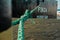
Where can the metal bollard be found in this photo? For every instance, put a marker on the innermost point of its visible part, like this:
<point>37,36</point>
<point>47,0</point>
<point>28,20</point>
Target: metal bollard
<point>5,15</point>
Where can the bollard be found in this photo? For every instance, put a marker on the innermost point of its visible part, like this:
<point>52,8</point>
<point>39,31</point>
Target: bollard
<point>5,15</point>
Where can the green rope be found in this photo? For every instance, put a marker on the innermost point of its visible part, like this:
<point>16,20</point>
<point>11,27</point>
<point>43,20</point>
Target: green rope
<point>34,9</point>
<point>21,23</point>
<point>21,26</point>
<point>26,13</point>
<point>15,22</point>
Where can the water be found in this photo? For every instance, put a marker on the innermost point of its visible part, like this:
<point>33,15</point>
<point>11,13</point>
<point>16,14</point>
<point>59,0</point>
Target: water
<point>41,16</point>
<point>46,17</point>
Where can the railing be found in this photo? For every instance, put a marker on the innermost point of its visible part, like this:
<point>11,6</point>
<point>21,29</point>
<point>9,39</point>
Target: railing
<point>21,22</point>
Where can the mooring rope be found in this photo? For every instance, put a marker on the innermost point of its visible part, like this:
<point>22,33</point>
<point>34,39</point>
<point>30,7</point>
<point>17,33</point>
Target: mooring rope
<point>21,21</point>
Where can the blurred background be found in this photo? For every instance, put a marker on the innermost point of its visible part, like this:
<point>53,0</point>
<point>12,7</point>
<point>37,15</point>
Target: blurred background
<point>48,29</point>
<point>58,10</point>
<point>48,8</point>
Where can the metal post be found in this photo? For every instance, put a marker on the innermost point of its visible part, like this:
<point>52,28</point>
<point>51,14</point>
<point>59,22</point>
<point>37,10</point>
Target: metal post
<point>5,15</point>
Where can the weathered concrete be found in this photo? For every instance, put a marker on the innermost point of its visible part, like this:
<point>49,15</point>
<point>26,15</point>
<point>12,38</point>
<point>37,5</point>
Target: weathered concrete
<point>7,35</point>
<point>43,29</point>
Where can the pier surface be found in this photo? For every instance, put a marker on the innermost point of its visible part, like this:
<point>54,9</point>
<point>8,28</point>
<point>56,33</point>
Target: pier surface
<point>43,29</point>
